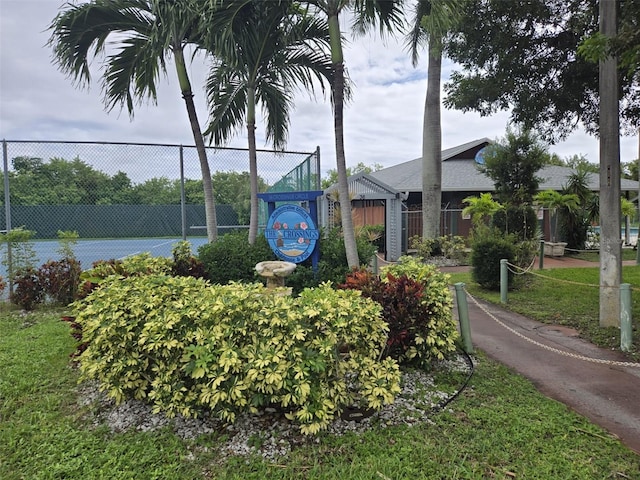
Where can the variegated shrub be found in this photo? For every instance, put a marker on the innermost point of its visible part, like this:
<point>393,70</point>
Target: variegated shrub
<point>185,345</point>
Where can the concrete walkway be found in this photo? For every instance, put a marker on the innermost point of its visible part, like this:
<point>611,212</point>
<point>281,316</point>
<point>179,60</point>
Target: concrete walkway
<point>561,365</point>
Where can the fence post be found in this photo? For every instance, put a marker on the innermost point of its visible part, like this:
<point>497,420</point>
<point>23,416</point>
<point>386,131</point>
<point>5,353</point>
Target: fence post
<point>183,199</point>
<point>625,317</point>
<point>504,280</point>
<point>541,256</point>
<point>7,212</point>
<point>463,317</point>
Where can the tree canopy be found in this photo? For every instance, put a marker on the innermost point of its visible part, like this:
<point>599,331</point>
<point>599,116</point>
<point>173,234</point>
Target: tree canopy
<point>522,55</point>
<point>34,181</point>
<point>512,164</point>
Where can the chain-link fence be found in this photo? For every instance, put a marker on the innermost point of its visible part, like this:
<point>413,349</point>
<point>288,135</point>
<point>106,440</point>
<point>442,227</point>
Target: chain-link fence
<point>118,190</point>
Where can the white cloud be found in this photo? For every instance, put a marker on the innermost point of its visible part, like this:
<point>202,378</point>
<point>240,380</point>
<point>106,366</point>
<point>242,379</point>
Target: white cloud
<point>383,123</point>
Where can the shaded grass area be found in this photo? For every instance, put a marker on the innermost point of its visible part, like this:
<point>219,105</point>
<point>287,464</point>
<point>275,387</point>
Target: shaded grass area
<point>566,296</point>
<point>500,427</point>
<point>594,255</point>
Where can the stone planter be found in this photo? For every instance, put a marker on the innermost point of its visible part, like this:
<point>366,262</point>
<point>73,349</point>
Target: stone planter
<point>554,249</point>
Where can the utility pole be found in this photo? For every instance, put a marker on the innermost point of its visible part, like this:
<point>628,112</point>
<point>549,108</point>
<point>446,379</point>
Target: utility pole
<point>638,172</point>
<point>610,242</point>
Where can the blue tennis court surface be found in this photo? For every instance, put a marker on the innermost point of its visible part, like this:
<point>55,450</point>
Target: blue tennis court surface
<point>89,251</point>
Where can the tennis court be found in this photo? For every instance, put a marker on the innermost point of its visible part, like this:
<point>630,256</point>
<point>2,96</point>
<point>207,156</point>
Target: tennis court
<point>90,250</point>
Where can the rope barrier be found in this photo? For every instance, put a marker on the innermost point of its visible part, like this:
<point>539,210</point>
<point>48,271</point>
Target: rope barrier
<point>560,280</point>
<point>523,270</point>
<point>547,347</point>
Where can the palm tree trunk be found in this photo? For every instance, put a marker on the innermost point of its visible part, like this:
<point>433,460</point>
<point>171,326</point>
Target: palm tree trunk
<point>432,146</point>
<point>253,164</point>
<point>610,248</point>
<point>207,185</point>
<point>338,126</point>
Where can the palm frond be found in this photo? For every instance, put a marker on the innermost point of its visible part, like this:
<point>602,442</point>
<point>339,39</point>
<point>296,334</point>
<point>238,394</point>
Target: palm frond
<point>276,103</point>
<point>132,73</point>
<point>386,15</point>
<point>417,37</point>
<point>227,98</point>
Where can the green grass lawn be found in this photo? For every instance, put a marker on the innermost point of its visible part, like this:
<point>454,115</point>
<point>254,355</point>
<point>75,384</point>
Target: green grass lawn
<point>500,427</point>
<point>594,255</point>
<point>566,296</point>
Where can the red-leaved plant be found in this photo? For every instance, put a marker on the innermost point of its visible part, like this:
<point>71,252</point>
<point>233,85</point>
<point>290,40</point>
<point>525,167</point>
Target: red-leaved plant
<point>402,306</point>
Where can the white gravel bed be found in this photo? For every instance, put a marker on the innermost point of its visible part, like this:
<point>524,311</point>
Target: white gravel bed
<point>269,433</point>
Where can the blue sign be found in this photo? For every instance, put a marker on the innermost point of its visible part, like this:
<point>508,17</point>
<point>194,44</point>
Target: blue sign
<point>479,158</point>
<point>291,233</point>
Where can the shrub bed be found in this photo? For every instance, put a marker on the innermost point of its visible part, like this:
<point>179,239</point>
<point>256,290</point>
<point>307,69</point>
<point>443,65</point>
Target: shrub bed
<point>185,346</point>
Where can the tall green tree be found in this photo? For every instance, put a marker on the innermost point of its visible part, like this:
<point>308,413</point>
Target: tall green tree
<point>234,188</point>
<point>513,164</point>
<point>63,182</point>
<point>144,33</point>
<point>432,21</point>
<point>158,191</point>
<point>385,15</point>
<point>264,51</point>
<point>521,56</point>
<point>332,173</point>
<point>624,44</point>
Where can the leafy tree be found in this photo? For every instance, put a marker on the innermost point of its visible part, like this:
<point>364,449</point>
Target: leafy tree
<point>580,163</point>
<point>63,182</point>
<point>193,191</point>
<point>625,44</point>
<point>158,191</point>
<point>332,173</point>
<point>512,165</point>
<point>264,50</point>
<point>521,55</point>
<point>233,188</point>
<point>431,23</point>
<point>145,32</point>
<point>122,189</point>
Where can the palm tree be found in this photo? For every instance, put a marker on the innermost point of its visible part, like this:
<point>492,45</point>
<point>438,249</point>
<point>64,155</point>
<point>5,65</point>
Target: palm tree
<point>432,20</point>
<point>368,13</point>
<point>145,33</point>
<point>554,200</point>
<point>263,52</point>
<point>609,131</point>
<point>481,208</point>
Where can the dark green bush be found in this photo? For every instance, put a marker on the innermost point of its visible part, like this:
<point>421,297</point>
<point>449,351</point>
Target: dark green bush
<point>487,251</point>
<point>231,258</point>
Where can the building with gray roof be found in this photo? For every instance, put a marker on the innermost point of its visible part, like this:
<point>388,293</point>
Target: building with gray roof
<point>461,178</point>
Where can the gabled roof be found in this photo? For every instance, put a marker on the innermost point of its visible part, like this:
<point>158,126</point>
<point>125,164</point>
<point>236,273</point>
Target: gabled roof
<point>367,185</point>
<point>460,173</point>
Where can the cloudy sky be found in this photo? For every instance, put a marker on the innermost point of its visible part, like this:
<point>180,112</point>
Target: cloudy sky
<point>383,123</point>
